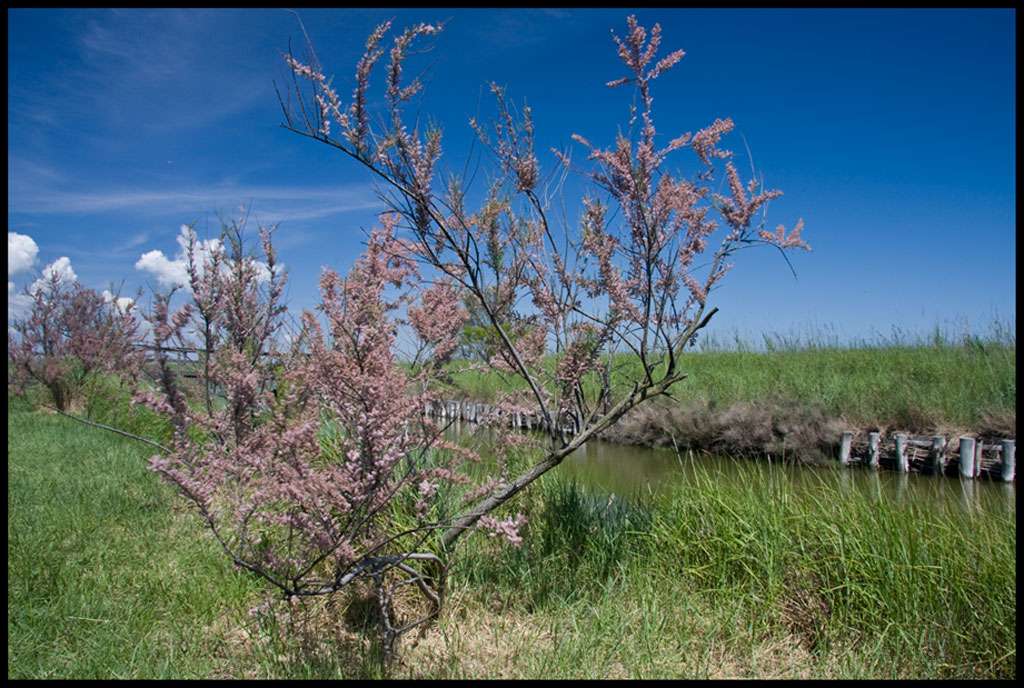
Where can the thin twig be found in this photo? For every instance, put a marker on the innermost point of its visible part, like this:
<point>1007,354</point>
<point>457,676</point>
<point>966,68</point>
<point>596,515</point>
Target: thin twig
<point>107,427</point>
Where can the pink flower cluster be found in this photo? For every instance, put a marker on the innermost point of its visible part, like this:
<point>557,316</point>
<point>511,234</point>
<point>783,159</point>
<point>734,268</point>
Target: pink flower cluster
<point>296,456</point>
<point>634,272</point>
<point>508,528</point>
<point>70,334</point>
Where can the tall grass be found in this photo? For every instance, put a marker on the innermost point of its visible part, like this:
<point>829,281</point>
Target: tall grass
<point>751,578</point>
<point>106,577</point>
<point>109,576</point>
<point>945,380</point>
<point>905,588</point>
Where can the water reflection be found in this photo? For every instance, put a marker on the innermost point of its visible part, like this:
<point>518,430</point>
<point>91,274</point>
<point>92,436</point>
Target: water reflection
<point>607,468</point>
<point>907,490</point>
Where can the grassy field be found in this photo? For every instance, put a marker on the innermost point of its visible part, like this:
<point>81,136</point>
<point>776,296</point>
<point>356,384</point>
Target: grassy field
<point>110,576</point>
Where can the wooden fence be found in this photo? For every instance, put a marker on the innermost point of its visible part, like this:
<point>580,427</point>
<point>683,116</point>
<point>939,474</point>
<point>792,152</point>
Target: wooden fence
<point>183,357</point>
<point>472,412</point>
<point>966,457</point>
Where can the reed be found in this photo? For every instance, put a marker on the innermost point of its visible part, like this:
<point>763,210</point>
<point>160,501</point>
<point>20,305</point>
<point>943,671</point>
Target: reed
<point>750,578</point>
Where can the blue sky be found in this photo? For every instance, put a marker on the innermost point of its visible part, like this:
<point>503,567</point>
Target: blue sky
<point>892,134</point>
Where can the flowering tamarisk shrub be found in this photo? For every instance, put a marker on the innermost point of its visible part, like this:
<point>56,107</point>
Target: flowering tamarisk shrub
<point>310,463</point>
<point>69,335</point>
<point>628,280</point>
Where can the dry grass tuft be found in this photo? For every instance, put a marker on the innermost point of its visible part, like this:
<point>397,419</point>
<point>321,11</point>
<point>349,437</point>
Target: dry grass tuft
<point>806,611</point>
<point>999,424</point>
<point>471,641</point>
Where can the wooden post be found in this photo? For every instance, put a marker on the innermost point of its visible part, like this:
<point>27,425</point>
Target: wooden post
<point>873,438</point>
<point>844,448</point>
<point>1009,447</point>
<point>937,453</point>
<point>977,458</point>
<point>967,457</point>
<point>901,454</point>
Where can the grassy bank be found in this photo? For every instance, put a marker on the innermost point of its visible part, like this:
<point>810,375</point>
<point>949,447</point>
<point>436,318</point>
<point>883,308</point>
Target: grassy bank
<point>801,393</point>
<point>109,576</point>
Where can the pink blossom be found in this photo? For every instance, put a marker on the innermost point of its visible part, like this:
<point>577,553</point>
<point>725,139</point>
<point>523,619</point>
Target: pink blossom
<point>508,528</point>
<point>69,326</point>
<point>329,456</point>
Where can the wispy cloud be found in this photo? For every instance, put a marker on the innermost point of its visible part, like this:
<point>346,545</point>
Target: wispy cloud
<point>119,81</point>
<point>271,202</point>
<point>139,65</point>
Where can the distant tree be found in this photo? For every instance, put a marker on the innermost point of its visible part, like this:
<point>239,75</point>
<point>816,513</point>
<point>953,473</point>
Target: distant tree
<point>69,335</point>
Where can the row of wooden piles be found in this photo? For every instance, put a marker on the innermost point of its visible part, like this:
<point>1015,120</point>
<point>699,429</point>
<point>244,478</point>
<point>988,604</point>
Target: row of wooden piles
<point>966,457</point>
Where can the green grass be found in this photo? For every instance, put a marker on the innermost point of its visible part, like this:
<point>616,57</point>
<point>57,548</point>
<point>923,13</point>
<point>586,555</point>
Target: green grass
<point>109,575</point>
<point>891,386</point>
<point>961,383</point>
<point>749,578</point>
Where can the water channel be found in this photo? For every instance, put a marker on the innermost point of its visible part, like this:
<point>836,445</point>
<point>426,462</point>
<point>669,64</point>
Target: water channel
<point>632,472</point>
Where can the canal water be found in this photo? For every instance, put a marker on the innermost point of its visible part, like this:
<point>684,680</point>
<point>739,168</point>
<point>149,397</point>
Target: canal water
<point>632,472</point>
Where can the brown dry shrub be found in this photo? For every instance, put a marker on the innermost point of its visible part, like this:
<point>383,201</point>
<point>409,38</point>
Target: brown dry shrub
<point>1000,423</point>
<point>917,420</point>
<point>774,426</point>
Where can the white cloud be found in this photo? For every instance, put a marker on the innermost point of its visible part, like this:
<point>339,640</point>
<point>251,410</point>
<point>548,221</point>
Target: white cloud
<point>59,270</point>
<point>167,272</point>
<point>123,302</point>
<point>170,273</point>
<point>17,304</point>
<point>21,253</point>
